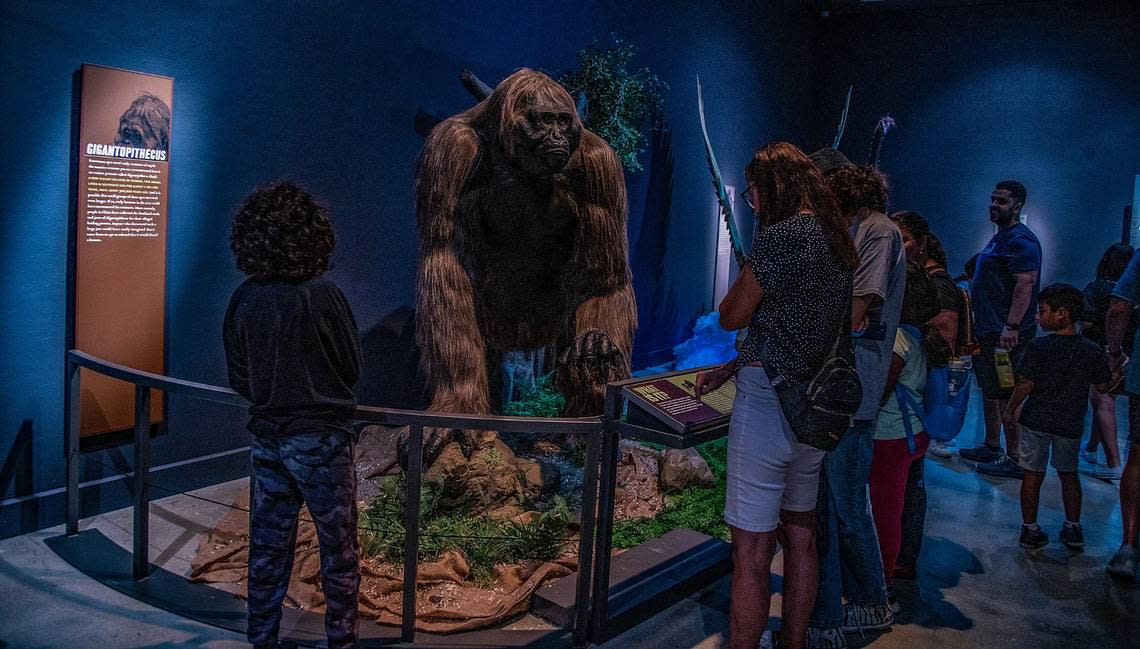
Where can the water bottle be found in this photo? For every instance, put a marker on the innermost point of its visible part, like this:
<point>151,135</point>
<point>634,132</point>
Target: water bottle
<point>958,376</point>
<point>1004,368</point>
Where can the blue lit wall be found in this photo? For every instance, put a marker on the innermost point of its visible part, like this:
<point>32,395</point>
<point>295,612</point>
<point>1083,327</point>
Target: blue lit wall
<point>325,93</point>
<point>1047,93</point>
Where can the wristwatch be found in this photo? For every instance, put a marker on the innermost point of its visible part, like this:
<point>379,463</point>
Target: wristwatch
<point>1012,326</point>
<point>1114,354</point>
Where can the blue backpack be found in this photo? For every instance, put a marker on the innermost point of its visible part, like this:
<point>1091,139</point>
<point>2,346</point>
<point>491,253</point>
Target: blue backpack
<point>941,414</point>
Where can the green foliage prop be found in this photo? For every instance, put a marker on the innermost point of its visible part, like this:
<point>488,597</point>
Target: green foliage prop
<point>618,101</point>
<point>483,540</point>
<point>541,400</point>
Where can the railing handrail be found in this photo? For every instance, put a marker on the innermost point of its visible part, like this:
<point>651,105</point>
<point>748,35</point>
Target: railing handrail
<point>370,414</point>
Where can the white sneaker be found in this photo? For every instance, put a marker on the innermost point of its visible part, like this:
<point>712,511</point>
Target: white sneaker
<point>1089,456</point>
<point>1107,473</point>
<point>939,449</point>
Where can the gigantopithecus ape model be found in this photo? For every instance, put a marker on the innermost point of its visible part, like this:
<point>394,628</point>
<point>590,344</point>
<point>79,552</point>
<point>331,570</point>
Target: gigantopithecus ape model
<point>522,244</point>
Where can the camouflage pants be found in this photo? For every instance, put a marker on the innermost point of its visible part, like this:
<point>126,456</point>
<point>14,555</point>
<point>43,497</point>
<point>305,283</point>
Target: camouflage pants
<point>315,468</point>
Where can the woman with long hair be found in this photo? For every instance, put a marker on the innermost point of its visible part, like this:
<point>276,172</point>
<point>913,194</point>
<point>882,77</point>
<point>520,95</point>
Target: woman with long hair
<point>793,294</point>
<point>1098,295</point>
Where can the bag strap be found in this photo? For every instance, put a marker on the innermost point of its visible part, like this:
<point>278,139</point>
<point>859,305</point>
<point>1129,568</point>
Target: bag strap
<point>906,403</point>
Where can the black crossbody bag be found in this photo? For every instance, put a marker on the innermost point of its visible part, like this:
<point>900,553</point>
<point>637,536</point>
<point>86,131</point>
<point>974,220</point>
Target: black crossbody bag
<point>819,410</point>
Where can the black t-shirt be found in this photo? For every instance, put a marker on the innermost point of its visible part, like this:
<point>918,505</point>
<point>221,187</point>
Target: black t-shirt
<point>806,296</point>
<point>1062,369</point>
<point>293,350</point>
<point>1098,296</point>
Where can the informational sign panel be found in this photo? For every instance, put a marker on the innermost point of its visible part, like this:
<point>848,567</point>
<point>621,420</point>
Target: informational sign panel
<point>672,400</point>
<point>120,236</point>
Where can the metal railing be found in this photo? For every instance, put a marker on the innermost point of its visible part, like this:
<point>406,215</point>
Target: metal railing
<point>601,445</point>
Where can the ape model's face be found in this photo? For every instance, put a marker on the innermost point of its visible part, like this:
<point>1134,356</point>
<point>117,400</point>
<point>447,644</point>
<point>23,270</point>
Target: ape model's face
<point>547,138</point>
<point>133,133</point>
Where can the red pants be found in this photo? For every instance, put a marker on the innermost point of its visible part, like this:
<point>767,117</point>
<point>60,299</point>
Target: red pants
<point>890,464</point>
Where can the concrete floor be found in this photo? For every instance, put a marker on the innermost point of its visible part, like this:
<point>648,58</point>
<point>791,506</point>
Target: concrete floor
<point>976,588</point>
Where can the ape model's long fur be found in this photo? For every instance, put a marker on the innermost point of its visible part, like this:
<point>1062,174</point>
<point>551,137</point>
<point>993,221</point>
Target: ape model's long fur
<point>510,260</point>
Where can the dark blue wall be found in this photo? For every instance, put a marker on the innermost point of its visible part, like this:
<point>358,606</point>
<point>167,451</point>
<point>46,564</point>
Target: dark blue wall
<point>1047,93</point>
<point>325,93</point>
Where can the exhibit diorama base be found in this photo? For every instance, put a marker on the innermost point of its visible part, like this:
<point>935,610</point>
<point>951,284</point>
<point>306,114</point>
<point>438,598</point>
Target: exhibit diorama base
<point>644,580</point>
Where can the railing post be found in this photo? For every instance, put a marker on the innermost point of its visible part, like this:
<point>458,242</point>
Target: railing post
<point>141,555</point>
<point>412,531</point>
<point>586,543</point>
<point>71,446</point>
<point>607,485</point>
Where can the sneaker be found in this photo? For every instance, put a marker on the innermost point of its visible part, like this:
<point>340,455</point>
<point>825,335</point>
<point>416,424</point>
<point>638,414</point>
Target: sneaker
<point>980,453</point>
<point>896,608</point>
<point>858,618</point>
<point>1089,456</point>
<point>1004,467</point>
<point>1073,536</point>
<point>1107,473</point>
<point>1033,539</point>
<point>825,639</point>
<point>939,449</point>
<point>1123,563</point>
<point>766,640</point>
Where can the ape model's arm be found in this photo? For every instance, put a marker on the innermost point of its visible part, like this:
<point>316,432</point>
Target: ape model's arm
<point>452,348</point>
<point>598,280</point>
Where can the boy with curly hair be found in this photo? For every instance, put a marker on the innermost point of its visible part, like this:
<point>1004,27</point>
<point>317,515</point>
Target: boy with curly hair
<point>293,350</point>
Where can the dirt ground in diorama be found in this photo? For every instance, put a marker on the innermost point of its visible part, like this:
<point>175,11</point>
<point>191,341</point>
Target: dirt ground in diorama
<point>479,564</point>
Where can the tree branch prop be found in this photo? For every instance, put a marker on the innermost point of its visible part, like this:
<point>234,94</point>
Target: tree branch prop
<point>718,183</point>
<point>475,86</point>
<point>843,118</point>
<point>886,123</point>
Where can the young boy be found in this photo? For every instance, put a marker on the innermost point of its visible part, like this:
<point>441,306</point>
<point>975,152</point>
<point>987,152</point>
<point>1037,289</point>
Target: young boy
<point>1056,372</point>
<point>293,350</point>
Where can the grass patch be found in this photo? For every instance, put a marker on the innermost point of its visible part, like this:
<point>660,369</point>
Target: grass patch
<point>483,540</point>
<point>697,508</point>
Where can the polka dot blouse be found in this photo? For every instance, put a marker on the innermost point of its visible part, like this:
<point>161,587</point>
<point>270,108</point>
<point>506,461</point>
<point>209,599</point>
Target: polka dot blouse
<point>806,295</point>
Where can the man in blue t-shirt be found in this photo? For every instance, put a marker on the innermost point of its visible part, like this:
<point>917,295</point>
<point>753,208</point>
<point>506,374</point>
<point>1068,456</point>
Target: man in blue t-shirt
<point>1004,297</point>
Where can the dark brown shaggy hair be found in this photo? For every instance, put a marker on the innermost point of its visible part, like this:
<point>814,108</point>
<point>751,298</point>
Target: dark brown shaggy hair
<point>788,183</point>
<point>858,187</point>
<point>282,233</point>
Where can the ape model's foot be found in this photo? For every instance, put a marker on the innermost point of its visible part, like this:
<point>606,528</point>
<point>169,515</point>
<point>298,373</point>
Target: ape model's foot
<point>435,439</point>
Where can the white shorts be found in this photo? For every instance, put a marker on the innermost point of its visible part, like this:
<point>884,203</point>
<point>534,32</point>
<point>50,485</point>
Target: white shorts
<point>768,470</point>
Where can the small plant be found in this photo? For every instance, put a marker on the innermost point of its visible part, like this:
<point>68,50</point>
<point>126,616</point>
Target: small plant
<point>617,101</point>
<point>541,400</point>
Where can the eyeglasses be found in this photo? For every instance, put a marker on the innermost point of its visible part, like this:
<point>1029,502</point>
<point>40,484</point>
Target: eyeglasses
<point>747,194</point>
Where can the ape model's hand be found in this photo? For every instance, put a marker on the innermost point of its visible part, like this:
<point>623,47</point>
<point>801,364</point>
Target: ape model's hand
<point>592,358</point>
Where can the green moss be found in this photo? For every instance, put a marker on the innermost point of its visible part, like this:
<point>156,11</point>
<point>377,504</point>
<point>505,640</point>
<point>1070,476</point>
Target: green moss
<point>697,508</point>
